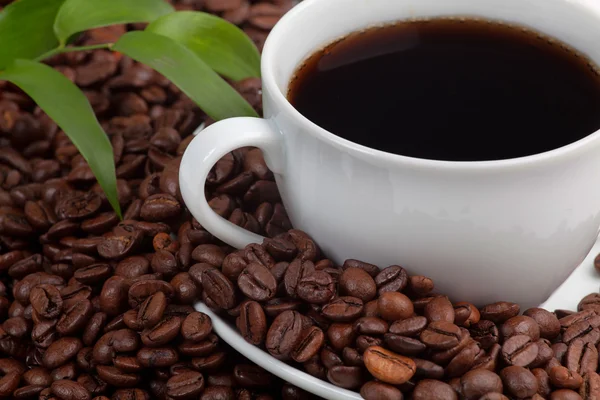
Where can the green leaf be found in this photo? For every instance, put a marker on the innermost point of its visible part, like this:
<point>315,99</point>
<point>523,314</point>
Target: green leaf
<point>70,109</point>
<point>26,29</point>
<point>80,15</point>
<point>220,44</point>
<point>192,75</point>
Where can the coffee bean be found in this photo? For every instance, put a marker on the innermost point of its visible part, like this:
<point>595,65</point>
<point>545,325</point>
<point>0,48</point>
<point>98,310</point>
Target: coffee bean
<point>251,376</point>
<point>310,343</point>
<point>519,381</point>
<point>391,279</point>
<point>439,309</point>
<point>427,369</point>
<point>209,253</point>
<point>441,335</point>
<point>199,349</point>
<point>465,314</point>
<point>581,357</point>
<point>394,306</point>
<point>284,334</point>
<point>75,317</point>
<point>294,273</point>
<point>218,288</point>
<point>519,350</point>
<point>346,377</point>
<point>316,288</point>
<point>151,310</point>
<point>252,322</point>
<point>157,357</point>
<point>590,388</point>
<point>409,327</point>
<point>46,300</point>
<point>118,247</point>
<point>547,322</point>
<point>61,351</point>
<point>404,345</point>
<point>186,385</point>
<point>433,390</point>
<point>500,311</point>
<point>162,333</point>
<point>257,282</point>
<point>478,382</point>
<point>374,390</point>
<point>564,394</point>
<point>114,376</point>
<point>485,332</point>
<point>563,378</point>
<point>520,325</point>
<point>69,390</point>
<point>388,366</point>
<point>143,289</point>
<point>356,282</point>
<point>341,335</point>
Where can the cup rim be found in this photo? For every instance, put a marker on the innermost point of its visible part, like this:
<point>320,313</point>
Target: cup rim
<point>269,59</point>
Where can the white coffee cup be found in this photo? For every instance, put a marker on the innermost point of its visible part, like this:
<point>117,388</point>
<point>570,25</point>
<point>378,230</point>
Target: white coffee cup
<point>483,231</point>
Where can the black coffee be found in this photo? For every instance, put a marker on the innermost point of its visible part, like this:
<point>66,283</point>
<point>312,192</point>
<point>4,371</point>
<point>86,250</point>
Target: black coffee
<point>444,89</point>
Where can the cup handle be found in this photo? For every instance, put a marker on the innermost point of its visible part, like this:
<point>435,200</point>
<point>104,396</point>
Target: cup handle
<point>203,153</point>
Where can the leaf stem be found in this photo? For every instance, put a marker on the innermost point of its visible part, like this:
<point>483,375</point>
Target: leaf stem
<point>60,50</point>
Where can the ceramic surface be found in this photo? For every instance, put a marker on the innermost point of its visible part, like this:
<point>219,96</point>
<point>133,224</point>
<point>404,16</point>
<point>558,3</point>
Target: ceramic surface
<point>511,229</point>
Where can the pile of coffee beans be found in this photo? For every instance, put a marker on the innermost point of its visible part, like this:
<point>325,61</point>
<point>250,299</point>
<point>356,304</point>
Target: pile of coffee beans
<point>92,307</point>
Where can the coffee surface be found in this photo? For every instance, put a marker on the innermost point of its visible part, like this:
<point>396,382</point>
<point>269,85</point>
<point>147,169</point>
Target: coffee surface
<point>450,89</point>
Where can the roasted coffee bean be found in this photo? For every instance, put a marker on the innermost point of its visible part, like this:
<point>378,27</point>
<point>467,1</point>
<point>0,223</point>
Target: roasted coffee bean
<point>364,342</point>
<point>157,357</point>
<point>93,274</point>
<point>316,288</point>
<point>439,309</point>
<point>75,317</point>
<point>387,366</point>
<point>486,333</point>
<point>564,394</point>
<point>346,377</point>
<point>218,288</point>
<point>427,369</point>
<point>143,289</point>
<point>519,350</point>
<point>431,389</point>
<point>186,385</point>
<point>465,314</point>
<point>561,377</point>
<point>404,345</point>
<point>311,341</point>
<point>374,390</point>
<point>441,335</point>
<point>294,273</point>
<point>341,335</point>
<point>209,254</point>
<point>114,376</point>
<point>61,351</point>
<point>391,279</point>
<point>162,333</point>
<point>590,388</point>
<point>46,301</point>
<point>394,306</point>
<point>356,282</point>
<point>342,309</point>
<point>547,322</point>
<point>499,312</point>
<point>69,390</point>
<point>252,322</point>
<point>93,328</point>
<point>370,326</point>
<point>520,325</point>
<point>412,326</point>
<point>118,247</point>
<point>251,376</point>
<point>284,334</point>
<point>581,357</point>
<point>151,310</point>
<point>196,327</point>
<point>478,382</point>
<point>164,263</point>
<point>519,382</point>
<point>257,282</point>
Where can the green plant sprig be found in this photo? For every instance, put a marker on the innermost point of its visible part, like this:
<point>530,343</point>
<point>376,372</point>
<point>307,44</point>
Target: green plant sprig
<point>194,50</point>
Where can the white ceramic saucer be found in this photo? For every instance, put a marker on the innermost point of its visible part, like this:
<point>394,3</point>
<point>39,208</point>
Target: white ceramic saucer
<point>583,281</point>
